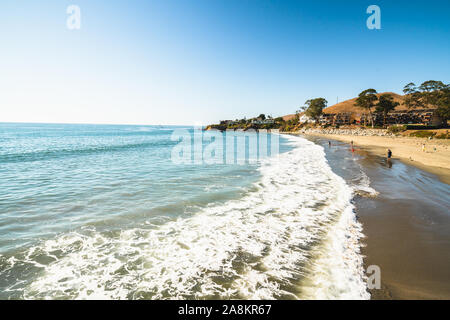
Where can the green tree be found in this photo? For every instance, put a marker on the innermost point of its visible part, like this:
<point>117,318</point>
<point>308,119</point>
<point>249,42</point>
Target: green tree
<point>432,93</point>
<point>413,97</point>
<point>262,116</point>
<point>410,88</point>
<point>386,104</point>
<point>432,86</point>
<point>302,109</point>
<point>437,94</point>
<point>443,105</point>
<point>366,100</point>
<point>314,108</point>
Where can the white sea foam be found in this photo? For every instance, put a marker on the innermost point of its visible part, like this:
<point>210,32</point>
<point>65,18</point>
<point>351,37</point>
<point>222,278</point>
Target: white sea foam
<point>294,236</point>
<point>362,186</point>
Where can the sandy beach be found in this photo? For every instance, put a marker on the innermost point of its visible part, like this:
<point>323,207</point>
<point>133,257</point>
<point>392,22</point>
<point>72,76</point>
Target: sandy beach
<point>406,225</point>
<point>435,159</point>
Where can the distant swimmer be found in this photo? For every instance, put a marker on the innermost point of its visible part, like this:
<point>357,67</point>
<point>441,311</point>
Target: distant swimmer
<point>329,144</point>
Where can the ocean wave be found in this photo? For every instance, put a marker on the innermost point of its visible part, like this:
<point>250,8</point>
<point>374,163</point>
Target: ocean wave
<point>361,185</point>
<point>293,236</point>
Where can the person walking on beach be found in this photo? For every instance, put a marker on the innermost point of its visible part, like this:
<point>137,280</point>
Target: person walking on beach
<point>389,154</point>
<point>423,147</point>
<point>351,143</point>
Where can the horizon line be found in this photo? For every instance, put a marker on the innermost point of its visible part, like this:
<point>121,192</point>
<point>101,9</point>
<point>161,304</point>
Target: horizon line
<point>95,124</point>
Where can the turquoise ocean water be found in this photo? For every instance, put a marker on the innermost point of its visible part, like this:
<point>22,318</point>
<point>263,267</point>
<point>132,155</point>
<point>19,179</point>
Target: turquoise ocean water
<point>101,211</point>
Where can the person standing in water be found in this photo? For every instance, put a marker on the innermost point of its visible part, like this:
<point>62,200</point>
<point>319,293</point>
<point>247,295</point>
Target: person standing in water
<point>351,143</point>
<point>329,144</point>
<point>389,156</point>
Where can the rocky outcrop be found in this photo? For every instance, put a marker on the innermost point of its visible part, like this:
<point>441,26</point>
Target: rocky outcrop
<point>352,132</point>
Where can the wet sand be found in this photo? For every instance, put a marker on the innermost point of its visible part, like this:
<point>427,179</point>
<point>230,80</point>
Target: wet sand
<point>435,159</point>
<point>407,226</point>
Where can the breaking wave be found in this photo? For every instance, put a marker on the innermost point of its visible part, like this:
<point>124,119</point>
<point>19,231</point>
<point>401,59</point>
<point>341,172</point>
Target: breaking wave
<point>294,235</point>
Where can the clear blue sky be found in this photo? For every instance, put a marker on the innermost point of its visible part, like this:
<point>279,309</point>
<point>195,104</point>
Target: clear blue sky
<point>191,61</point>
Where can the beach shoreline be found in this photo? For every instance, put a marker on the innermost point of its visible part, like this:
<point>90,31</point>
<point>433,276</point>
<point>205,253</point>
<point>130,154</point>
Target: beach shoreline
<point>405,226</point>
<point>435,159</point>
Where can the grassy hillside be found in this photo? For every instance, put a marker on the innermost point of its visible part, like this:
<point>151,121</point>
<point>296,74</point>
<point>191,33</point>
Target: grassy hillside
<point>349,105</point>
